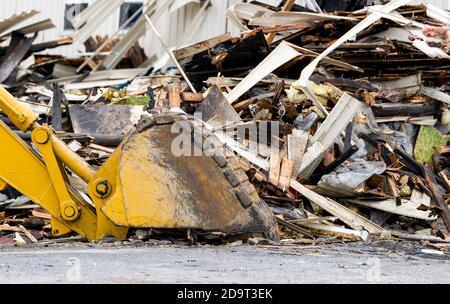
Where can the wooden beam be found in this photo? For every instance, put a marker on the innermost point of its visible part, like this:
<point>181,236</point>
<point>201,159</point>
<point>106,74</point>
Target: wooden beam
<point>342,114</point>
<point>192,97</point>
<point>274,173</point>
<point>297,143</point>
<point>438,197</point>
<point>174,95</point>
<point>287,167</point>
<point>294,227</point>
<point>349,217</point>
<point>288,5</point>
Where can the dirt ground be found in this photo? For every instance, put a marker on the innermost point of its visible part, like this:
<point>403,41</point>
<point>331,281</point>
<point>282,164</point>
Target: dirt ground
<point>158,262</point>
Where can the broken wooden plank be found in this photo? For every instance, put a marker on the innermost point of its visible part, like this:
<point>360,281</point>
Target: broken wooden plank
<point>275,168</point>
<point>192,97</point>
<point>343,113</point>
<point>337,231</point>
<point>435,94</point>
<point>8,228</point>
<point>349,217</point>
<point>297,143</point>
<point>394,190</point>
<point>287,6</point>
<point>174,95</point>
<point>303,81</point>
<point>438,197</point>
<point>294,227</point>
<point>18,48</point>
<point>170,53</point>
<point>287,167</point>
<point>200,47</point>
<point>283,18</point>
<point>42,215</point>
<point>28,234</point>
<point>282,54</point>
<point>408,208</point>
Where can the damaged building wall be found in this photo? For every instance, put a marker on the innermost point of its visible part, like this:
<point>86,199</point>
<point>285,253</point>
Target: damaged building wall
<point>176,26</point>
<point>55,10</point>
<point>172,24</point>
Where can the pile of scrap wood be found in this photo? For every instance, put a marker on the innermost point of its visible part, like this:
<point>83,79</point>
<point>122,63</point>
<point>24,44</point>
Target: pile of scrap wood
<point>354,108</point>
<point>363,133</point>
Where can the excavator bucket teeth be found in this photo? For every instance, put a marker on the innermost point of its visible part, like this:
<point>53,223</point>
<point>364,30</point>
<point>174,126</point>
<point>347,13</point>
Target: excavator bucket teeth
<point>156,187</point>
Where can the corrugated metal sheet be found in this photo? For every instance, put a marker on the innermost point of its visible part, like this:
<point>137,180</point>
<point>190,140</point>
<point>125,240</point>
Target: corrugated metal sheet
<point>172,26</point>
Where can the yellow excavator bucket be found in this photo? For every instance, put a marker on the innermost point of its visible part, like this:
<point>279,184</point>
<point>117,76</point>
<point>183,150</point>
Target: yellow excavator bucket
<point>146,185</point>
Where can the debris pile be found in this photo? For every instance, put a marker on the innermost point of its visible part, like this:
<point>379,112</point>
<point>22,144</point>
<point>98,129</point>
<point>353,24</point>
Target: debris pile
<point>363,133</point>
<point>350,109</point>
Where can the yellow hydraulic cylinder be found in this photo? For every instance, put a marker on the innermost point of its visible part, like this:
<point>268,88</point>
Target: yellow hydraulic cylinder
<point>74,162</point>
<point>22,117</point>
<point>25,119</point>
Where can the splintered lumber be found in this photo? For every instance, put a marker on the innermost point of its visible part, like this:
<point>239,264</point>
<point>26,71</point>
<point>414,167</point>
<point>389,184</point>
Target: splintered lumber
<point>282,54</point>
<point>200,47</point>
<point>288,5</point>
<point>42,215</point>
<point>294,227</point>
<point>349,217</point>
<point>438,197</point>
<point>174,95</point>
<point>416,237</point>
<point>284,28</point>
<point>101,148</point>
<point>394,190</point>
<point>283,18</point>
<point>192,97</point>
<point>303,81</point>
<point>28,234</point>
<point>337,231</point>
<point>275,168</point>
<point>343,113</point>
<point>297,144</point>
<point>408,208</point>
<point>287,167</point>
<point>170,53</point>
<point>8,228</point>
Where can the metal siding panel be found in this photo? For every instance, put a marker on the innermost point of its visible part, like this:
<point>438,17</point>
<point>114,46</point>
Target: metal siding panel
<point>171,26</point>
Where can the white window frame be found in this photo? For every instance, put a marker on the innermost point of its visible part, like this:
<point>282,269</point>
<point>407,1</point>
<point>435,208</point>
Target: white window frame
<point>118,14</point>
<point>68,2</point>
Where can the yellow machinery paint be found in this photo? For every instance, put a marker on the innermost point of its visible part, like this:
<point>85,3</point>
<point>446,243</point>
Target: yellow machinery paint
<point>142,185</point>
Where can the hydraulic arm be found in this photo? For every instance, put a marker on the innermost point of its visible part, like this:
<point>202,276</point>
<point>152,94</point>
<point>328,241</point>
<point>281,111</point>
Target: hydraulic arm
<point>142,185</point>
<point>42,178</point>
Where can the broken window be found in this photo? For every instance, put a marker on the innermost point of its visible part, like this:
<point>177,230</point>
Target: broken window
<point>343,5</point>
<point>71,11</point>
<point>128,10</point>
